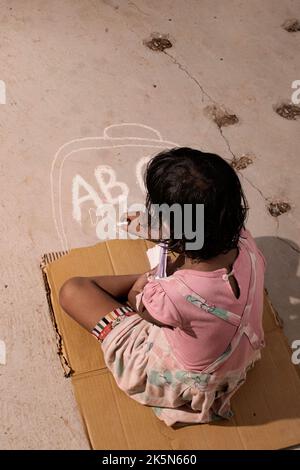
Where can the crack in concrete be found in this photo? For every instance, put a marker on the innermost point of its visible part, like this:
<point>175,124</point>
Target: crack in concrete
<point>283,240</point>
<point>254,187</point>
<point>138,8</point>
<point>204,93</point>
<point>212,100</point>
<point>227,143</point>
<point>191,77</point>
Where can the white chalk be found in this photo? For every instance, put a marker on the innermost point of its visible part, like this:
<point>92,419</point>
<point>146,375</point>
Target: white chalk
<point>2,353</point>
<point>122,223</point>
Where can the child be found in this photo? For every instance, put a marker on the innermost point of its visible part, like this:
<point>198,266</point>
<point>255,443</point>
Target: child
<point>183,344</point>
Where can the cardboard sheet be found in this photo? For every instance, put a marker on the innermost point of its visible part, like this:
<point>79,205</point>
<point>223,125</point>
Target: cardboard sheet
<point>267,407</point>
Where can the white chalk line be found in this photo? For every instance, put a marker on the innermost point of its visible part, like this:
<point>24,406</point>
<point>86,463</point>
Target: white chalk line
<point>132,124</point>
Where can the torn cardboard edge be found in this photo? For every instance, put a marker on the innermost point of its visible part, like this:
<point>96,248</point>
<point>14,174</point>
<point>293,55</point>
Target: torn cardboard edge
<point>267,407</point>
<point>46,259</point>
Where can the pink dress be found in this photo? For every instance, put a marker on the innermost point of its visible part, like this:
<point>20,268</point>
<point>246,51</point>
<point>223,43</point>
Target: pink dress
<point>189,370</point>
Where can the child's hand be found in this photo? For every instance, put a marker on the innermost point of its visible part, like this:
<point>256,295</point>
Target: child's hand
<point>136,289</point>
<point>132,217</point>
<point>137,224</point>
<point>151,273</point>
<point>140,283</point>
<point>134,226</point>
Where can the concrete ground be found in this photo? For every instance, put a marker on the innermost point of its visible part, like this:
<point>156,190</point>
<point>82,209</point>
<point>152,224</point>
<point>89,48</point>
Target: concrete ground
<point>75,67</point>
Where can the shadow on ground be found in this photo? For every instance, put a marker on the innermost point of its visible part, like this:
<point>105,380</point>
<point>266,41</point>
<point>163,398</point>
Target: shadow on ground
<point>283,281</point>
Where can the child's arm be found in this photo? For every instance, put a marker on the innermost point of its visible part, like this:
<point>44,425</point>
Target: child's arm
<point>136,289</point>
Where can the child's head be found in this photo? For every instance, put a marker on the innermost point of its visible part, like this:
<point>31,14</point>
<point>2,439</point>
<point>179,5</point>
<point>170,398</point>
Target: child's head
<point>187,176</point>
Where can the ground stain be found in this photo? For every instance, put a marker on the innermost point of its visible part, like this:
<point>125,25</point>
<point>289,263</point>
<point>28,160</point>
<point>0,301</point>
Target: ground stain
<point>288,111</point>
<point>277,208</point>
<point>292,25</point>
<point>158,42</point>
<point>240,163</point>
<point>220,116</point>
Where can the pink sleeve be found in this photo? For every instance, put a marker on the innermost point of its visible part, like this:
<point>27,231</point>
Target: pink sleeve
<point>158,304</point>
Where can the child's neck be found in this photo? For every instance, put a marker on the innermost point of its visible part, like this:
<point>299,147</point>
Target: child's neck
<point>221,261</point>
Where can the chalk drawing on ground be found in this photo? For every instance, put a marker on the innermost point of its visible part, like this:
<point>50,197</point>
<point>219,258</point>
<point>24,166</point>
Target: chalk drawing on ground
<point>102,183</point>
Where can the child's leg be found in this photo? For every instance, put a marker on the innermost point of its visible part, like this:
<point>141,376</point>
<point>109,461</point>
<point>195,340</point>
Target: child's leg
<point>88,299</point>
<point>116,285</point>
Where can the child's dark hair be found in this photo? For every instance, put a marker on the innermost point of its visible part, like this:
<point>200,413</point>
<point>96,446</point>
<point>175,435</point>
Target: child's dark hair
<point>188,176</point>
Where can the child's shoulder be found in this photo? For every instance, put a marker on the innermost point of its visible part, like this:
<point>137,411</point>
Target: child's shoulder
<point>245,234</point>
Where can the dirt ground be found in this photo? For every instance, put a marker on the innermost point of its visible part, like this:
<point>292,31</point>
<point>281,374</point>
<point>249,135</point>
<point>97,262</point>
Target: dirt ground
<point>93,88</point>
